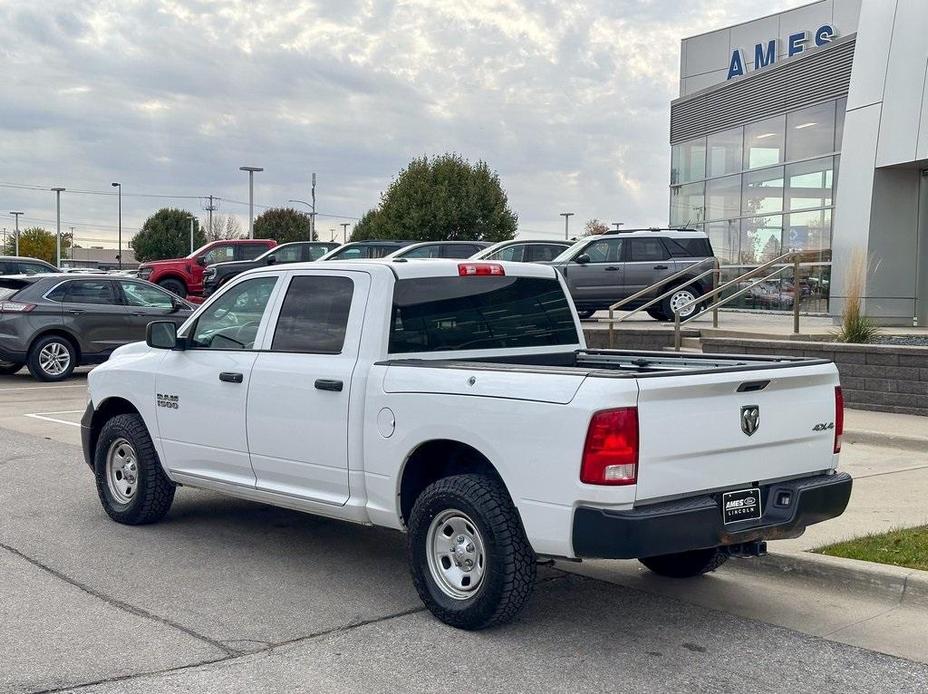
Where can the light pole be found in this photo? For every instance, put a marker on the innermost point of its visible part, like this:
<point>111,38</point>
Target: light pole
<point>345,226</point>
<point>118,187</point>
<point>251,197</point>
<point>566,216</point>
<point>192,249</point>
<point>16,236</point>
<point>618,225</point>
<point>312,216</point>
<point>58,192</point>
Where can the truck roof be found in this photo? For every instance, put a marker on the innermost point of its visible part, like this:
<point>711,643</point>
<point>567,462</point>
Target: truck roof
<point>406,268</point>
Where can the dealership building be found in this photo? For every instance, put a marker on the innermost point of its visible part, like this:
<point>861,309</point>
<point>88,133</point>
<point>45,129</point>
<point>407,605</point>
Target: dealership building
<point>808,130</point>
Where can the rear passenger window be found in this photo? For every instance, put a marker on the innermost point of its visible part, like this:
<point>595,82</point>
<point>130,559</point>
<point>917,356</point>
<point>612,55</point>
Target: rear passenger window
<point>89,292</point>
<point>540,253</point>
<point>314,315</point>
<point>458,251</point>
<point>646,250</point>
<point>688,248</point>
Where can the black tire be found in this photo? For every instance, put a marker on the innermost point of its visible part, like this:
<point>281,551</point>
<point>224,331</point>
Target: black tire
<point>658,314</point>
<point>8,368</point>
<point>686,564</point>
<point>41,369</point>
<point>585,313</point>
<point>690,293</point>
<point>174,286</point>
<point>509,562</point>
<point>154,492</point>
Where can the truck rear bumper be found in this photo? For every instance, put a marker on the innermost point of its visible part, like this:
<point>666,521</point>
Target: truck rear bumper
<point>696,522</point>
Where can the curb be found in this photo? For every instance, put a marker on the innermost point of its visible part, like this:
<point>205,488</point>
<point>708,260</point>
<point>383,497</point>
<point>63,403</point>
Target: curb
<point>879,438</point>
<point>906,586</point>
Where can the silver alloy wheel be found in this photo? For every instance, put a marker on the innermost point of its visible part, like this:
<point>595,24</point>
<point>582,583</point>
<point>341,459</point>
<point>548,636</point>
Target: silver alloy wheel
<point>55,358</point>
<point>681,298</point>
<point>456,555</point>
<point>122,470</point>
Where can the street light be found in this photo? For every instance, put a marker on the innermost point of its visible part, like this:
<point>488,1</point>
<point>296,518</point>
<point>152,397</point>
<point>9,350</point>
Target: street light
<point>118,187</point>
<point>618,225</point>
<point>16,237</point>
<point>345,226</point>
<point>251,197</point>
<point>312,216</point>
<point>58,192</point>
<point>566,216</point>
<point>192,219</point>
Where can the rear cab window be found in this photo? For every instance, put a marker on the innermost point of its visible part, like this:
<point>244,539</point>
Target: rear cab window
<point>471,313</point>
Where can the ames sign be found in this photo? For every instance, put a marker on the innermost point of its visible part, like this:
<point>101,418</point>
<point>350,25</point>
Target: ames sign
<point>766,53</point>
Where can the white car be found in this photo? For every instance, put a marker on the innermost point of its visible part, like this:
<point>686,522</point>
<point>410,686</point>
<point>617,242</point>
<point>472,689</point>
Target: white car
<point>456,401</point>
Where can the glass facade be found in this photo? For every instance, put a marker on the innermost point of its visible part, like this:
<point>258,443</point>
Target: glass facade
<point>761,190</point>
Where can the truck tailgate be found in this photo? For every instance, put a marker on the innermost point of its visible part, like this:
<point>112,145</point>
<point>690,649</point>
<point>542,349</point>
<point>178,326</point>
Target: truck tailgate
<point>692,438</point>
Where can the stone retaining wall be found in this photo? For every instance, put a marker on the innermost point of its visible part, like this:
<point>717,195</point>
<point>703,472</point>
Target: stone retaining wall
<point>886,378</point>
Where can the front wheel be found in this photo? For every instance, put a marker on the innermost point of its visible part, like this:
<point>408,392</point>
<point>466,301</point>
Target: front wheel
<point>686,564</point>
<point>130,482</point>
<point>174,286</point>
<point>471,562</point>
<point>8,368</point>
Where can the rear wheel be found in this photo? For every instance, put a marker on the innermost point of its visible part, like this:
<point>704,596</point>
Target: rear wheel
<point>174,286</point>
<point>584,314</point>
<point>471,562</point>
<point>52,358</point>
<point>686,564</point>
<point>8,368</point>
<point>680,298</point>
<point>657,314</point>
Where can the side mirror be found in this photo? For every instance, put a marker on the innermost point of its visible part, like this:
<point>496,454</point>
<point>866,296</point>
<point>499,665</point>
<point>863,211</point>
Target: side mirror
<point>201,261</point>
<point>161,334</point>
<point>582,259</point>
<point>271,259</point>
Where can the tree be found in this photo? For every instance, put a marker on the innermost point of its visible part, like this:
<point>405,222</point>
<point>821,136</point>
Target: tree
<point>441,198</point>
<point>166,234</point>
<point>283,224</point>
<point>222,227</point>
<point>36,242</point>
<point>594,227</point>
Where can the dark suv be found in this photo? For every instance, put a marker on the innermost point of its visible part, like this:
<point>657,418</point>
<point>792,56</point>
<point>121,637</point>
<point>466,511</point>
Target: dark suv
<point>17,265</point>
<point>296,252</point>
<point>364,250</point>
<point>602,270</point>
<point>53,323</point>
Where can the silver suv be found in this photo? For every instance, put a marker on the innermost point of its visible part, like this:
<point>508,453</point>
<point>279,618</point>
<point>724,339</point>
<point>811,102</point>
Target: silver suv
<point>604,269</point>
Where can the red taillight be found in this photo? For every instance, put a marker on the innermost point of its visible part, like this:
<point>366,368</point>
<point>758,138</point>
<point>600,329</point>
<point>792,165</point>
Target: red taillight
<point>15,307</point>
<point>478,269</point>
<point>610,455</point>
<point>839,418</point>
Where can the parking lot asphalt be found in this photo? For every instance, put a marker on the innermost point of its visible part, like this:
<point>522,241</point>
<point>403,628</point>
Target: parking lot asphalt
<point>227,596</point>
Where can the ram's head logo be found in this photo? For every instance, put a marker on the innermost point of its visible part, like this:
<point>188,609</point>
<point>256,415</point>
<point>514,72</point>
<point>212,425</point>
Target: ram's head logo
<point>750,419</point>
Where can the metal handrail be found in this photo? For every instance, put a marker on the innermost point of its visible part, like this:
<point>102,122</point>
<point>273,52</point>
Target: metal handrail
<point>637,295</point>
<point>794,256</point>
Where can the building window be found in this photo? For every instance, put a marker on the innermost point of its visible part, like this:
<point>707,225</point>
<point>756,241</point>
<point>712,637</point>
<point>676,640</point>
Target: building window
<point>761,239</point>
<point>808,231</point>
<point>810,132</point>
<point>725,240</point>
<point>763,191</point>
<point>763,142</point>
<point>723,197</point>
<point>723,152</point>
<point>810,184</point>
<point>688,161</point>
<point>687,204</point>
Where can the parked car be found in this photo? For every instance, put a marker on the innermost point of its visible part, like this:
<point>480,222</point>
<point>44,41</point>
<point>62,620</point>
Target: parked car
<point>524,251</point>
<point>456,400</point>
<point>365,250</point>
<point>601,270</point>
<point>184,276</point>
<point>53,323</point>
<point>18,265</point>
<point>440,249</point>
<point>298,251</point>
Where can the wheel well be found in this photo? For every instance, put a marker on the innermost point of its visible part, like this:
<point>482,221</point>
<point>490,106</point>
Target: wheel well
<point>108,409</point>
<point>432,461</point>
<point>59,333</point>
<point>176,278</point>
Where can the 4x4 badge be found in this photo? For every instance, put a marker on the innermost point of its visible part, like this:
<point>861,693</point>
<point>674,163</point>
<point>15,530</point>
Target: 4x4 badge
<point>750,419</point>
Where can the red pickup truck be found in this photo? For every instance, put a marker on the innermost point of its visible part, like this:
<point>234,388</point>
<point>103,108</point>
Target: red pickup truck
<point>184,276</point>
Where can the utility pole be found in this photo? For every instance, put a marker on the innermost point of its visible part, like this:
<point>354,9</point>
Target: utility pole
<point>72,243</point>
<point>58,192</point>
<point>251,197</point>
<point>312,217</point>
<point>16,236</point>
<point>118,187</point>
<point>192,249</point>
<point>209,212</point>
<point>618,225</point>
<point>345,226</point>
<point>566,216</point>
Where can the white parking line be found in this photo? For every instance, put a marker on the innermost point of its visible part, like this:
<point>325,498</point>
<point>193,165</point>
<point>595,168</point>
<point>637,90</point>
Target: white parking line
<point>44,416</point>
<point>7,390</point>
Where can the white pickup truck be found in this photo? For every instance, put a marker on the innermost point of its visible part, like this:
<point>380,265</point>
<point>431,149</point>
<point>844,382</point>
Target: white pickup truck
<point>457,401</point>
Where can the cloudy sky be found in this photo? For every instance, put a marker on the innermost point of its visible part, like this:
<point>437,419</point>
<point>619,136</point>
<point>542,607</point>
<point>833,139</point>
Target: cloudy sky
<point>568,101</point>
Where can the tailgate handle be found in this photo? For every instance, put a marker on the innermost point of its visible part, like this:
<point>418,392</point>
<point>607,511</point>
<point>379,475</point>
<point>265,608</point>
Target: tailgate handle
<point>752,386</point>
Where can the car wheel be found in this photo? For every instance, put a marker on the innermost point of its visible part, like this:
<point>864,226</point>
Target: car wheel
<point>584,314</point>
<point>174,286</point>
<point>471,562</point>
<point>657,314</point>
<point>130,481</point>
<point>52,358</point>
<point>679,298</point>
<point>686,564</point>
<point>8,368</point>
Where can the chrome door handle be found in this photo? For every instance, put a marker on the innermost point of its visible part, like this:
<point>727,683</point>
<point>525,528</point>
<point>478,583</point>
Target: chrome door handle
<point>231,377</point>
<point>75,312</point>
<point>611,269</point>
